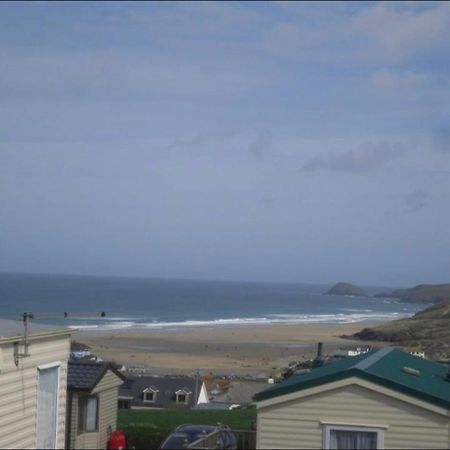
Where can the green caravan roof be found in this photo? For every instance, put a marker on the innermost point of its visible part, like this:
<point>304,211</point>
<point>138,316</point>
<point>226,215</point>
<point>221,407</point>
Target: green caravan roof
<point>388,367</point>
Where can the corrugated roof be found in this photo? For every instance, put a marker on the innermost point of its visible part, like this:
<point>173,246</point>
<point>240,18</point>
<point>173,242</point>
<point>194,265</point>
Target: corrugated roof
<point>385,367</point>
<point>15,328</point>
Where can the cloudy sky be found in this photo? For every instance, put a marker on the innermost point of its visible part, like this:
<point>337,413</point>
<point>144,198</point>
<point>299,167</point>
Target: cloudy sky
<point>279,141</point>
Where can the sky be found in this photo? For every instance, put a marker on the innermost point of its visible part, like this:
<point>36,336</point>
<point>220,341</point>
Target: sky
<point>275,141</point>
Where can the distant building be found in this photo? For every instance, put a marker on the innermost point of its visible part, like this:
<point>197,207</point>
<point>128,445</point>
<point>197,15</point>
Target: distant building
<point>162,392</point>
<point>33,385</point>
<point>381,399</point>
<point>416,352</point>
<point>78,354</point>
<point>218,406</point>
<point>344,352</point>
<point>240,392</point>
<point>91,404</point>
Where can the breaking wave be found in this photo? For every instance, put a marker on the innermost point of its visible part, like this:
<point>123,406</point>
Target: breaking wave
<point>340,318</point>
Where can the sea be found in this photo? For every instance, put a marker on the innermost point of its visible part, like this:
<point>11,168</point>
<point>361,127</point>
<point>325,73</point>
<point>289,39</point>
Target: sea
<point>97,304</point>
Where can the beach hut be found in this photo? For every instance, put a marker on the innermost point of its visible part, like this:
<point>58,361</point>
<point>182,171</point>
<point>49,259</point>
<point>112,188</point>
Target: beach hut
<point>33,373</point>
<point>92,404</point>
<point>381,399</point>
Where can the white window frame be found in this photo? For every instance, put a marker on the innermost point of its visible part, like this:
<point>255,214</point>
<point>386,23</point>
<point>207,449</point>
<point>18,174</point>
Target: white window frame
<point>177,398</point>
<point>148,391</point>
<point>358,428</point>
<point>54,364</point>
<point>85,400</point>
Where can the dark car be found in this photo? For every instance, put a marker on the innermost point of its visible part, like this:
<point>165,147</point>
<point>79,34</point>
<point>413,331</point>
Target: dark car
<point>184,435</point>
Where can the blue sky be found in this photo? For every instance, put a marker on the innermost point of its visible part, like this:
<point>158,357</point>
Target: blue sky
<point>279,141</point>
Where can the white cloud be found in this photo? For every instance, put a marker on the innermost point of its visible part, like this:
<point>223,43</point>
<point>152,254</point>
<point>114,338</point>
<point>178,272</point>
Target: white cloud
<point>389,79</point>
<point>200,140</point>
<point>368,156</point>
<point>118,74</point>
<point>417,200</point>
<point>401,31</point>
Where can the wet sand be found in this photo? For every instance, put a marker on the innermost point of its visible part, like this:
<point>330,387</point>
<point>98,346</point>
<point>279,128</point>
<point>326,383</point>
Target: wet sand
<point>232,350</point>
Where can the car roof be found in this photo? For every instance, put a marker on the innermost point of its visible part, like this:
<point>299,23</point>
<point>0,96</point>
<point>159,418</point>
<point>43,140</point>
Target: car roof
<point>196,427</point>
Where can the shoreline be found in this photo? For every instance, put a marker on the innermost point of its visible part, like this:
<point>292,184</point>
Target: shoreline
<point>232,349</point>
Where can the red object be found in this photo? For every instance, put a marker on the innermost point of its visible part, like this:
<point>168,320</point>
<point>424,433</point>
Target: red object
<point>117,441</point>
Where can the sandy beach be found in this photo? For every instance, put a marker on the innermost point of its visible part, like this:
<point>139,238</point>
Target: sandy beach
<point>238,350</point>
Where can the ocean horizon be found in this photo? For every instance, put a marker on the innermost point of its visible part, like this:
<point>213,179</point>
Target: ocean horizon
<point>135,303</point>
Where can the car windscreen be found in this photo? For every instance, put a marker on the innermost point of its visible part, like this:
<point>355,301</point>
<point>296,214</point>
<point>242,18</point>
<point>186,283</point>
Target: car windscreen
<point>176,441</point>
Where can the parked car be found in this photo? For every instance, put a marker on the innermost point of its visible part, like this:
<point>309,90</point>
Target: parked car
<point>184,435</point>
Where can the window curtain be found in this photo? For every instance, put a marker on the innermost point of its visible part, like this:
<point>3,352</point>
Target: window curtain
<point>47,408</point>
<point>91,414</point>
<point>352,440</point>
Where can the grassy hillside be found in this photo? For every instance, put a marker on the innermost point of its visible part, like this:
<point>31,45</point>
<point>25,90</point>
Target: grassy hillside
<point>432,293</point>
<point>428,329</point>
<point>147,429</point>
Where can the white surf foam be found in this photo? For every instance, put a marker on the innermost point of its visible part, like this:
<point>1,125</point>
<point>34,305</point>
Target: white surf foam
<point>340,318</point>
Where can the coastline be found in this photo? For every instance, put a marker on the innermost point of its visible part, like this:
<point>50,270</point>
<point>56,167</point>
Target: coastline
<point>240,350</point>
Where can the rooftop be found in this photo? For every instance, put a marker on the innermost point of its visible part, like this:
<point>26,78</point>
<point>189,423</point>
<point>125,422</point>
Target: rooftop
<point>84,376</point>
<point>388,367</point>
<point>15,328</point>
<point>167,386</point>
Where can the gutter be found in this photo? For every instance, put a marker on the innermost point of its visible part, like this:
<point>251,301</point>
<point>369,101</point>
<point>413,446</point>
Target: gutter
<point>37,336</point>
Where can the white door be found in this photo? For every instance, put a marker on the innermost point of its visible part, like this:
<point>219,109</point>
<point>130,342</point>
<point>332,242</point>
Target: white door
<point>47,407</point>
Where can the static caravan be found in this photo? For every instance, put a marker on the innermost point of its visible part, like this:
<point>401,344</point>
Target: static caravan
<point>33,375</point>
<point>92,404</point>
<point>381,399</point>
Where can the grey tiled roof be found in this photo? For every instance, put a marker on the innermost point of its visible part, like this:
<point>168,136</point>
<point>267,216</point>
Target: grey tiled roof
<point>84,376</point>
<point>133,387</point>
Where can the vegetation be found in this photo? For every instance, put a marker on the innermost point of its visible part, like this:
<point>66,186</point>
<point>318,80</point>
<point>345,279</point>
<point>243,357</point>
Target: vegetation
<point>428,329</point>
<point>346,289</point>
<point>148,428</point>
<point>432,293</point>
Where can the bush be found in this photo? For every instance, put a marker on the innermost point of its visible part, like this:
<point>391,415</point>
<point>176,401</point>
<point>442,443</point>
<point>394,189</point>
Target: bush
<point>147,429</point>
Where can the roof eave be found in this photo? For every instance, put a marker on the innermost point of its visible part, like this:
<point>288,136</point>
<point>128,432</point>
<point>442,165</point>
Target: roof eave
<point>406,390</point>
<point>37,336</point>
<point>356,373</point>
<point>78,389</point>
<point>102,374</point>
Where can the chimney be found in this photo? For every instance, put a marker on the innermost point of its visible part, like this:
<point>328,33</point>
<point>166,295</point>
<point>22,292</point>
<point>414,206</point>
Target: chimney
<point>319,350</point>
<point>318,361</point>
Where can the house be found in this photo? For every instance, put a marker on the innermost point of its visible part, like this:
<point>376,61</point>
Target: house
<point>418,353</point>
<point>415,352</point>
<point>344,352</point>
<point>381,399</point>
<point>239,392</point>
<point>162,392</point>
<point>33,374</point>
<point>92,392</point>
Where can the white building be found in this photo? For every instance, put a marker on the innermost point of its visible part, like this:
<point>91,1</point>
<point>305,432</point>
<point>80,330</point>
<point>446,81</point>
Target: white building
<point>351,351</point>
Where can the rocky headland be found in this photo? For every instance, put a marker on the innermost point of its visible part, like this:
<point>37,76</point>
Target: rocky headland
<point>423,293</point>
<point>346,289</point>
<point>428,330</point>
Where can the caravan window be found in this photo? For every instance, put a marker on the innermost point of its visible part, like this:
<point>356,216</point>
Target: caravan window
<point>87,414</point>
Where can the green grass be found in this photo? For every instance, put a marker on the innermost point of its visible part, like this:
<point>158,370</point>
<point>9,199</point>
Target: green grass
<point>147,429</point>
